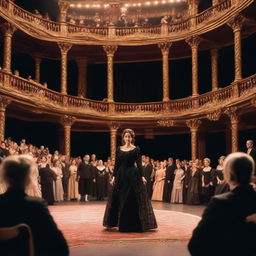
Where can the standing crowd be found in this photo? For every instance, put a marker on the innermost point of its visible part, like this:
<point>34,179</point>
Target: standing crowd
<point>57,179</point>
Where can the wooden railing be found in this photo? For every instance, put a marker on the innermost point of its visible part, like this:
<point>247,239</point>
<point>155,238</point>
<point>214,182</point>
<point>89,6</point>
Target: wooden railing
<point>212,11</point>
<point>45,98</point>
<point>56,29</point>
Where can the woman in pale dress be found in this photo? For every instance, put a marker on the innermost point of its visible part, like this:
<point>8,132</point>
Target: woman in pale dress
<point>72,183</point>
<point>34,188</point>
<point>158,186</point>
<point>177,189</point>
<point>57,185</point>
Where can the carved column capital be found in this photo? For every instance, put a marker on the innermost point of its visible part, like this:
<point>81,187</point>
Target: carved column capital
<point>114,126</point>
<point>64,47</point>
<point>4,102</point>
<point>193,41</point>
<point>63,6</point>
<point>233,114</point>
<point>215,115</point>
<point>9,29</point>
<point>110,50</point>
<point>67,120</point>
<point>236,23</point>
<point>165,47</point>
<point>193,124</point>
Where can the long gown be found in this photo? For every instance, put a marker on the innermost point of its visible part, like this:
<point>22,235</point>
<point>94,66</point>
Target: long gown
<point>128,205</point>
<point>158,187</point>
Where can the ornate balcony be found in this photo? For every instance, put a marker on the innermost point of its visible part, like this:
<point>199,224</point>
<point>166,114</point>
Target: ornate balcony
<point>35,26</point>
<point>34,94</point>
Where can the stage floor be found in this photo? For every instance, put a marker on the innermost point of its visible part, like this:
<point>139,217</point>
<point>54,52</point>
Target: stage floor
<point>82,227</point>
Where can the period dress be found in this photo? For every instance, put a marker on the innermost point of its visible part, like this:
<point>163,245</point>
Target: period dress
<point>72,183</point>
<point>177,196</point>
<point>128,205</point>
<point>158,187</point>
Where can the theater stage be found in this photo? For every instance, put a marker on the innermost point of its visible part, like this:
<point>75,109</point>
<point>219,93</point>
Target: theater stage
<point>82,227</point>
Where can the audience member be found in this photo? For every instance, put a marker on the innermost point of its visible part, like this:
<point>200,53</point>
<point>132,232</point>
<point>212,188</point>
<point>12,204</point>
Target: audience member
<point>225,228</point>
<point>17,207</point>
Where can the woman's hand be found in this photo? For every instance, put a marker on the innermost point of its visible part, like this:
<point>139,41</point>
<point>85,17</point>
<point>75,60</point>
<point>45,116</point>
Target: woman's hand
<point>144,180</point>
<point>112,182</point>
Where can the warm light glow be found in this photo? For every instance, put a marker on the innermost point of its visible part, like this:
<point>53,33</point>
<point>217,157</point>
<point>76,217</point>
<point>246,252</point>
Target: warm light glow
<point>139,4</point>
<point>106,5</point>
<point>156,2</point>
<point>72,5</point>
<point>87,6</point>
<point>79,5</point>
<point>163,1</point>
<point>148,3</point>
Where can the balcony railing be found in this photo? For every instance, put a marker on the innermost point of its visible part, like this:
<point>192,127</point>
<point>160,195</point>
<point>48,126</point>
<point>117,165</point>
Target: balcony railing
<point>15,86</point>
<point>47,28</point>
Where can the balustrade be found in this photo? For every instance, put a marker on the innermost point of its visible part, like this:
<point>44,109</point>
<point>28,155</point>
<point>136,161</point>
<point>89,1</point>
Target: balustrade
<point>38,93</point>
<point>50,26</point>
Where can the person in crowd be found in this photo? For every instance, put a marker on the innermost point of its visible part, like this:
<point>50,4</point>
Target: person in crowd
<point>168,182</point>
<point>158,186</point>
<point>3,151</point>
<point>66,175</point>
<point>177,190</point>
<point>207,189</point>
<point>221,185</point>
<point>251,151</point>
<point>17,207</point>
<point>72,183</point>
<point>128,205</point>
<point>34,188</point>
<point>101,178</point>
<point>193,181</point>
<point>164,20</point>
<point>57,185</point>
<point>148,170</point>
<point>47,178</point>
<point>85,176</point>
<point>227,226</point>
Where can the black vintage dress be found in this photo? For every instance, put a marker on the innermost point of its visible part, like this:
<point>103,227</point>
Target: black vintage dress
<point>129,207</point>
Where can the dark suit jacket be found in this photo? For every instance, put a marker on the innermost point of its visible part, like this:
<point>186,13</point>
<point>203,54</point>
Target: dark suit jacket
<point>223,229</point>
<point>17,207</point>
<point>84,171</point>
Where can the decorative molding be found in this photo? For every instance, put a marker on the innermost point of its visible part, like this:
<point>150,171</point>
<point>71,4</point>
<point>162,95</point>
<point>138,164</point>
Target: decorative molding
<point>4,102</point>
<point>165,47</point>
<point>114,126</point>
<point>215,115</point>
<point>64,47</point>
<point>165,122</point>
<point>194,41</point>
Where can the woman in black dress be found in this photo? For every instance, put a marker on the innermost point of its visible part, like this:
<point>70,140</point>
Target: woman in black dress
<point>129,207</point>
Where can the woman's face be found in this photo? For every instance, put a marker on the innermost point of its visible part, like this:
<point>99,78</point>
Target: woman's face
<point>221,161</point>
<point>206,163</point>
<point>127,138</point>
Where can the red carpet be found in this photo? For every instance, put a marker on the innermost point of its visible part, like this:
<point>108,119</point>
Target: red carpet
<point>82,224</point>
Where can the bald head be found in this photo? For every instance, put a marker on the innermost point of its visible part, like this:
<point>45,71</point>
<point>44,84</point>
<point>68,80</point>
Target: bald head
<point>239,168</point>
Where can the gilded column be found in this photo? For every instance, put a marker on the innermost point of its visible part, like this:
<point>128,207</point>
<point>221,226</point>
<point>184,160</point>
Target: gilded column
<point>194,124</point>
<point>67,122</point>
<point>110,51</point>
<point>194,43</point>
<point>64,48</point>
<point>37,69</point>
<point>3,104</point>
<point>165,47</point>
<point>63,8</point>
<point>7,58</point>
<point>82,77</point>
<point>234,122</point>
<point>113,132</point>
<point>193,10</point>
<point>236,24</point>
<point>214,66</point>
